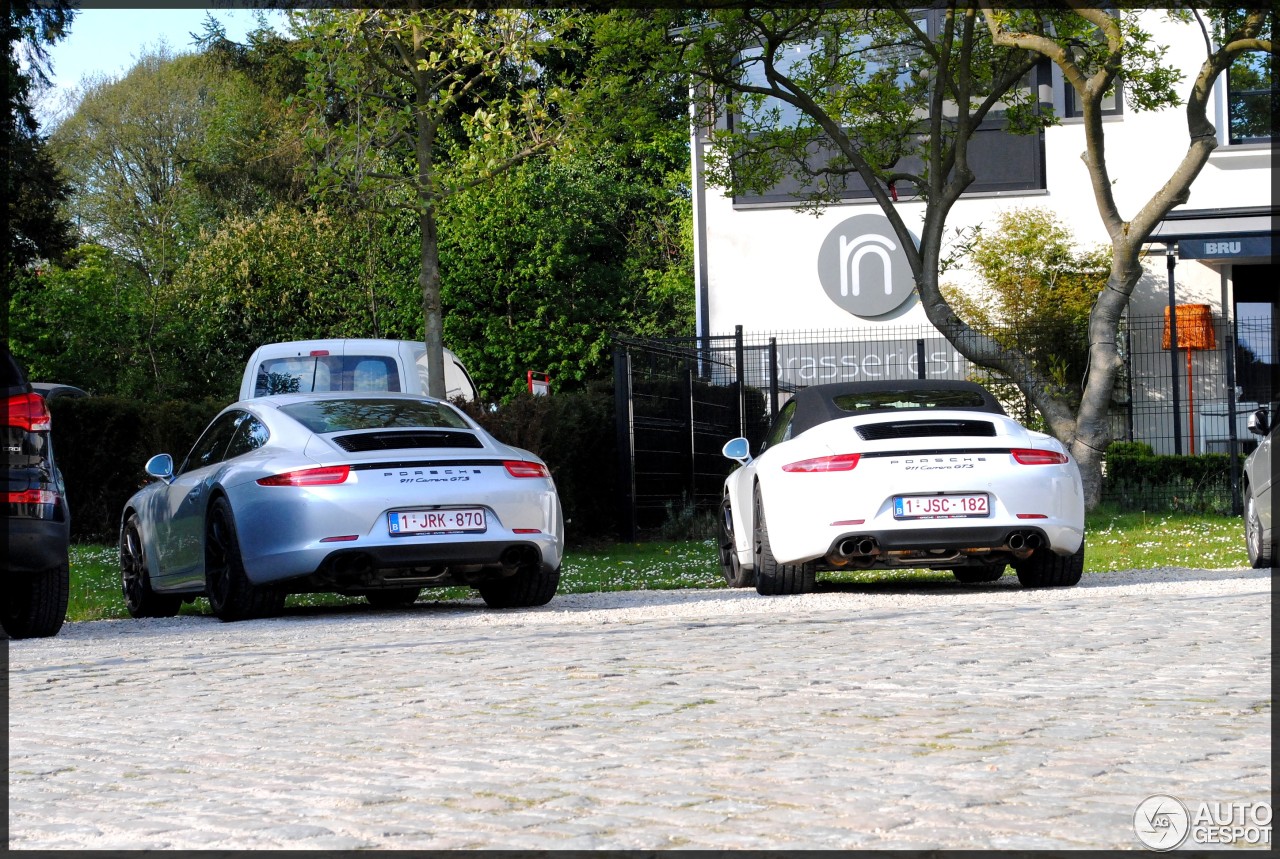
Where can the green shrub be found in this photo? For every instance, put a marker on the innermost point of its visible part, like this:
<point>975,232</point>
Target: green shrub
<point>573,431</point>
<point>1137,479</point>
<point>686,521</point>
<point>1130,449</point>
<point>101,445</point>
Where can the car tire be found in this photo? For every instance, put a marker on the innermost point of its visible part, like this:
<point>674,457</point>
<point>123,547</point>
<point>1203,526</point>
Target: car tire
<point>1047,569</point>
<point>231,595</point>
<point>533,585</point>
<point>734,573</point>
<point>135,585</point>
<point>984,573</point>
<point>393,597</point>
<point>36,606</point>
<point>773,578</point>
<point>1261,555</point>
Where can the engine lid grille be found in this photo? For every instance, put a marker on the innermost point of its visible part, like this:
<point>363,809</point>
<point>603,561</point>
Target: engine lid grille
<point>404,439</point>
<point>925,429</point>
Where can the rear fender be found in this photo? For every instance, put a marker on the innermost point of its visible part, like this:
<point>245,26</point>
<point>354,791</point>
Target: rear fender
<point>740,493</point>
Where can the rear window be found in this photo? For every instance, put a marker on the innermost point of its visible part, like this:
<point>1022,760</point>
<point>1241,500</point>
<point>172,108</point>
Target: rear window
<point>324,416</point>
<point>914,399</point>
<point>307,374</point>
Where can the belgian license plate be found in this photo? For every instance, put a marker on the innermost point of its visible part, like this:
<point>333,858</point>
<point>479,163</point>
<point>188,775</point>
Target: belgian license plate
<point>452,521</point>
<point>940,506</point>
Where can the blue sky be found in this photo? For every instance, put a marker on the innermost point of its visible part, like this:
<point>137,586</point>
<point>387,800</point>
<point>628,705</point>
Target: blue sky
<point>109,41</point>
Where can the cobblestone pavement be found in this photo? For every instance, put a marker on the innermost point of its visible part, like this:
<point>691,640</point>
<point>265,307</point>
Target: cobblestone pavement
<point>896,716</point>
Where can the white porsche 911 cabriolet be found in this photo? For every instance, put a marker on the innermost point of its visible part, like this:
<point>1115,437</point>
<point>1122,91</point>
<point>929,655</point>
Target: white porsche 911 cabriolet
<point>911,473</point>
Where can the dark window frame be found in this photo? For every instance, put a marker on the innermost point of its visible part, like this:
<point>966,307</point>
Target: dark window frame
<point>213,454</point>
<point>245,440</point>
<point>1234,99</point>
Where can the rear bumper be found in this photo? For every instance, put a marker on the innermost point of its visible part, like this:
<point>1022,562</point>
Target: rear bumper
<point>362,565</point>
<point>36,545</point>
<point>948,547</point>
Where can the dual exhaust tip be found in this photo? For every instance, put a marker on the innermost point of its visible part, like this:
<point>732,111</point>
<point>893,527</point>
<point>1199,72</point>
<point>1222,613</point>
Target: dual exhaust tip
<point>1020,540</point>
<point>858,547</point>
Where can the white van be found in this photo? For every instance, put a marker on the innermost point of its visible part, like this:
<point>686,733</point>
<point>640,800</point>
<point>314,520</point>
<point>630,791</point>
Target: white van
<point>304,366</point>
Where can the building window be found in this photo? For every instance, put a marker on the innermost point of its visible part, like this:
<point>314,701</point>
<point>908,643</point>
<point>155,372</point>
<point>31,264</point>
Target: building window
<point>1002,161</point>
<point>1252,95</point>
<point>761,112</point>
<point>1112,102</point>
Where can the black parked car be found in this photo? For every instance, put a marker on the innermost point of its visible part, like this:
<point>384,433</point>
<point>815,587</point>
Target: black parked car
<point>55,391</point>
<point>36,572</point>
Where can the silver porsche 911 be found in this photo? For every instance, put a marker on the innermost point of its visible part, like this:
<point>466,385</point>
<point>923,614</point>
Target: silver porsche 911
<point>377,495</point>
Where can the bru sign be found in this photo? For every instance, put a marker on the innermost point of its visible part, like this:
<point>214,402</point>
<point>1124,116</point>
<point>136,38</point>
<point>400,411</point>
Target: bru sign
<point>863,268</point>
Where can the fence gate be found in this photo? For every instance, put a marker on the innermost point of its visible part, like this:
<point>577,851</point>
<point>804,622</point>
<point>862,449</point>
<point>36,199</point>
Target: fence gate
<point>676,407</point>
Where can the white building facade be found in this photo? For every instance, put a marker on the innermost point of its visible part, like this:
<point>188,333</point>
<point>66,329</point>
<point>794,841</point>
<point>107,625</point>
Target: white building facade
<point>769,268</point>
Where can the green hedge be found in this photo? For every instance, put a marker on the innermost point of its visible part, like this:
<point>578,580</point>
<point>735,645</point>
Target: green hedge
<point>1138,479</point>
<point>102,443</point>
<point>574,433</point>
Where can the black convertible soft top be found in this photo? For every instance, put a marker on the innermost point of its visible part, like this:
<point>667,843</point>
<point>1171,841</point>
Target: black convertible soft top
<point>821,403</point>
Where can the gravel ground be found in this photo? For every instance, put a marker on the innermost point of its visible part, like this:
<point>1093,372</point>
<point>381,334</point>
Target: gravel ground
<point>634,606</point>
<point>910,715</point>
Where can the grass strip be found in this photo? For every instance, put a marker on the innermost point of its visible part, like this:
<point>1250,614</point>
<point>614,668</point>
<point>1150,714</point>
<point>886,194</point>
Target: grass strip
<point>1116,541</point>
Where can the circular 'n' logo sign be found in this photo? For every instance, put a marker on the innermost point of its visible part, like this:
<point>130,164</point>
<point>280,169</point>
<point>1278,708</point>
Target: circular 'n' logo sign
<point>863,268</point>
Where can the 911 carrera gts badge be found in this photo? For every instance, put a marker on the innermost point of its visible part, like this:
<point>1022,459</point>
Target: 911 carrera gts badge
<point>433,475</point>
<point>938,463</point>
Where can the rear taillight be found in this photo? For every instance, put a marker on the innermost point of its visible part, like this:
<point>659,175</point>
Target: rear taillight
<point>521,468</point>
<point>1031,456</point>
<point>33,496</point>
<point>28,412</point>
<point>841,462</point>
<point>328,475</point>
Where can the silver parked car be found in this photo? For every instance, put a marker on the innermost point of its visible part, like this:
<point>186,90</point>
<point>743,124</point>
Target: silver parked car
<point>377,495</point>
<point>1259,523</point>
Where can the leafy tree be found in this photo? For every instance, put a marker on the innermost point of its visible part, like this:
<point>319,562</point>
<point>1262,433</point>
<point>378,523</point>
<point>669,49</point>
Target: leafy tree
<point>285,274</point>
<point>408,107</point>
<point>128,147</point>
<point>253,155</point>
<point>1101,47</point>
<point>554,257</point>
<point>35,228</point>
<point>888,100</point>
<point>1033,295</point>
<point>79,321</point>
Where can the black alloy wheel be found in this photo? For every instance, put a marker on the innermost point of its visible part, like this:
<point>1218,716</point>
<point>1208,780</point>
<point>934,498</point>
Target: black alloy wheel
<point>135,584</point>
<point>231,595</point>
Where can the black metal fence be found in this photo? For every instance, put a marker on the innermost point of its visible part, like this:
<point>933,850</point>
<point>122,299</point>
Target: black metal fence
<point>679,400</point>
<point>1192,400</point>
<point>676,407</point>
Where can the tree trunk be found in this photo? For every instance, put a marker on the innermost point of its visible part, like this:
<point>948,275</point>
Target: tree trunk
<point>429,247</point>
<point>432,307</point>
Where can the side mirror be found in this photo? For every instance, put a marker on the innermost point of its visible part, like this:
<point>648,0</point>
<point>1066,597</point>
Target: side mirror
<point>738,449</point>
<point>1258,423</point>
<point>160,467</point>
